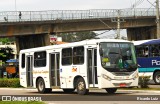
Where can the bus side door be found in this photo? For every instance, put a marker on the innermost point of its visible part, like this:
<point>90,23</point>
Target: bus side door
<point>54,69</point>
<point>29,71</point>
<point>92,67</point>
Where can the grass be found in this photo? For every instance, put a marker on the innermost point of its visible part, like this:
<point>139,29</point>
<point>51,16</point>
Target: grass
<point>21,102</point>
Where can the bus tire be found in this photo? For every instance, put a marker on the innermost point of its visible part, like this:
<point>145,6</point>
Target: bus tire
<point>81,87</point>
<point>68,90</point>
<point>156,77</point>
<point>111,90</point>
<point>41,86</point>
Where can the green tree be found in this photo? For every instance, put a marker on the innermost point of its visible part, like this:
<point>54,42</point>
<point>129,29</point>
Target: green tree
<point>77,36</point>
<point>4,40</point>
<point>5,53</point>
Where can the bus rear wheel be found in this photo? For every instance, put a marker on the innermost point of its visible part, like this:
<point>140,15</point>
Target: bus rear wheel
<point>41,87</point>
<point>81,87</point>
<point>156,77</point>
<point>111,90</point>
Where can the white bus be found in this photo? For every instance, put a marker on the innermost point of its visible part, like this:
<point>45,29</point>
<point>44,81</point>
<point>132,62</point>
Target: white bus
<point>99,63</point>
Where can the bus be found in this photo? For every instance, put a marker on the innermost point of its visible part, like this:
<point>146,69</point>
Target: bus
<point>98,63</point>
<point>148,58</point>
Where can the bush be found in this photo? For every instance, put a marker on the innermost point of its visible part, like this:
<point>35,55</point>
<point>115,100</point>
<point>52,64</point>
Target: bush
<point>143,81</point>
<point>12,82</point>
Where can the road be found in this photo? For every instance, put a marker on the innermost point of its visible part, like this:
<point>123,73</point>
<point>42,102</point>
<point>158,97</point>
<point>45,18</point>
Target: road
<point>59,97</point>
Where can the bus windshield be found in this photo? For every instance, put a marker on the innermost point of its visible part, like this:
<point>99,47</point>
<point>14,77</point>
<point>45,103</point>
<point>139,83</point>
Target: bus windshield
<point>118,57</point>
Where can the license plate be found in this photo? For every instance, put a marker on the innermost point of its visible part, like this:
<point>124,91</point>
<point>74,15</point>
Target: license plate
<point>122,85</point>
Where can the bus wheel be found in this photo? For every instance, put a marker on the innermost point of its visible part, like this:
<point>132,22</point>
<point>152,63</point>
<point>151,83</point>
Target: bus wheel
<point>81,87</point>
<point>111,90</point>
<point>68,90</point>
<point>156,77</point>
<point>41,86</point>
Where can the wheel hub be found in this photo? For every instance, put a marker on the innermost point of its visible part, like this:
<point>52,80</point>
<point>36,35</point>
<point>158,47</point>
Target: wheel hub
<point>41,86</point>
<point>81,86</point>
<point>158,78</point>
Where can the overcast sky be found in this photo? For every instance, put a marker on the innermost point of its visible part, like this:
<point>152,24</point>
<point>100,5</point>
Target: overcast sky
<point>37,5</point>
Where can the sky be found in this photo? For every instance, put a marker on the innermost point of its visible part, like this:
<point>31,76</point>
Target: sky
<point>40,5</point>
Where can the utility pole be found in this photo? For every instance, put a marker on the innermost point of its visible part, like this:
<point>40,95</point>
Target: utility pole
<point>118,25</point>
<point>157,19</point>
<point>118,21</point>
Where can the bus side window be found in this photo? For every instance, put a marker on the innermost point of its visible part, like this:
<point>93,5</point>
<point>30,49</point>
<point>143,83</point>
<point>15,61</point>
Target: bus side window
<point>155,50</point>
<point>78,55</point>
<point>67,56</point>
<point>40,59</point>
<point>139,51</point>
<point>23,61</point>
<point>146,51</point>
<point>142,51</point>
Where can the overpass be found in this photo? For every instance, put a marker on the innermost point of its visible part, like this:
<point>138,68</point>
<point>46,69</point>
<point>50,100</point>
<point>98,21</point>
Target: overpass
<point>32,28</point>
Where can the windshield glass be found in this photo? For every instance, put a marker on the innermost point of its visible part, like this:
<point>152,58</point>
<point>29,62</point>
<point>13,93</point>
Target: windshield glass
<point>118,57</point>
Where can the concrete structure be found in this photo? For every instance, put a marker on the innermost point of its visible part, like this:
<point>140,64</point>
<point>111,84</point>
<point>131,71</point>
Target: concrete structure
<point>33,28</point>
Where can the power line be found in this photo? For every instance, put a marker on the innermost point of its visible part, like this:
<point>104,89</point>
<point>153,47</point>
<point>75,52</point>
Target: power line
<point>105,23</point>
<point>139,2</point>
<point>136,4</point>
<point>102,32</point>
<point>151,3</point>
<point>147,10</point>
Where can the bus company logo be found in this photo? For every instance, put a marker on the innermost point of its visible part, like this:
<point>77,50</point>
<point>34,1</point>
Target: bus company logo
<point>74,69</point>
<point>6,98</point>
<point>155,62</point>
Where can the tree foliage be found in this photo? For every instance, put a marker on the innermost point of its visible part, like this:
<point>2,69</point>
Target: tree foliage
<point>5,53</point>
<point>7,40</point>
<point>4,40</point>
<point>77,36</point>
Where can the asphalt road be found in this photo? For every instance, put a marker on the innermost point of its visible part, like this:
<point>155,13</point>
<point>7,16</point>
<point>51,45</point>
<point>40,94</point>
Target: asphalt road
<point>94,97</point>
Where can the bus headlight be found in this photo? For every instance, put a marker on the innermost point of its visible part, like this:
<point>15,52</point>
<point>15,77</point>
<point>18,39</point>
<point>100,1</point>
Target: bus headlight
<point>106,77</point>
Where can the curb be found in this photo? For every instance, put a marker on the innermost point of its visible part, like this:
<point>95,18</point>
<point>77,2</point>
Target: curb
<point>145,91</point>
<point>33,89</point>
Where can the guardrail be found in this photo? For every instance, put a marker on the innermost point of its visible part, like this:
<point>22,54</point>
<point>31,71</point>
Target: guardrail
<point>13,16</point>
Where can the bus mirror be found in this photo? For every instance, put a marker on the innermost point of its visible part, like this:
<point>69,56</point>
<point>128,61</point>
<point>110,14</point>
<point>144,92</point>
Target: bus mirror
<point>138,65</point>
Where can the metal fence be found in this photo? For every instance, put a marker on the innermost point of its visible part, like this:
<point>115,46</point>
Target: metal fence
<point>13,16</point>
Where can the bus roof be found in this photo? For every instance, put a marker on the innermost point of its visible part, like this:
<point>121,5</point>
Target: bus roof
<point>84,42</point>
<point>147,42</point>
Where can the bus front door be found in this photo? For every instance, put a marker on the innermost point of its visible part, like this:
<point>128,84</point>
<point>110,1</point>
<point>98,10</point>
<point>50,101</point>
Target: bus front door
<point>54,70</point>
<point>29,71</point>
<point>92,67</point>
